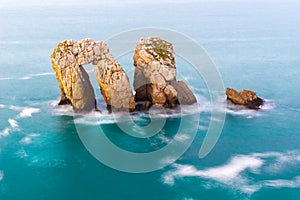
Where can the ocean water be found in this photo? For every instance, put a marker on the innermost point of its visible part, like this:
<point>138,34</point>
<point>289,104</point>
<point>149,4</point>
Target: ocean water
<point>254,45</point>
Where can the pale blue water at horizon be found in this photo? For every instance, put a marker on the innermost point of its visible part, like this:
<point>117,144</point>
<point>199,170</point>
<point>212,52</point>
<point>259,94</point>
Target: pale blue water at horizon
<point>255,45</point>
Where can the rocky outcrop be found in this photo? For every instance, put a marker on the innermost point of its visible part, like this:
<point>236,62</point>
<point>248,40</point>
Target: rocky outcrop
<point>67,60</point>
<point>114,84</point>
<point>75,87</point>
<point>247,98</point>
<point>184,94</point>
<point>155,74</point>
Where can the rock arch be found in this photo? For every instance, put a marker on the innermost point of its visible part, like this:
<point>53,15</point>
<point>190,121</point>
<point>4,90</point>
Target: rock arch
<point>68,59</point>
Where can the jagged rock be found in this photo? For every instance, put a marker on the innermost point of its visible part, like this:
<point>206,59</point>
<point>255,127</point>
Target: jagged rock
<point>247,98</point>
<point>155,74</point>
<point>74,83</point>
<point>114,84</point>
<point>185,95</point>
<point>143,105</point>
<point>75,87</point>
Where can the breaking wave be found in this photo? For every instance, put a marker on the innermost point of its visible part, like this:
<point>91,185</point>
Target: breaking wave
<point>237,110</point>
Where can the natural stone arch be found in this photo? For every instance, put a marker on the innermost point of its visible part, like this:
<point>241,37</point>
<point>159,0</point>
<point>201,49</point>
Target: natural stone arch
<point>67,60</point>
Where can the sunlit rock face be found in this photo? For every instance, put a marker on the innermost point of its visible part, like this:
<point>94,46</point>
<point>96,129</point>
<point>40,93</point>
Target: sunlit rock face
<point>67,60</point>
<point>155,74</point>
<point>114,84</point>
<point>247,98</point>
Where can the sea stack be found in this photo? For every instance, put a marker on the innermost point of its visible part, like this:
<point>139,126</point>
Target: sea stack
<point>114,83</point>
<point>68,59</point>
<point>155,75</point>
<point>246,98</point>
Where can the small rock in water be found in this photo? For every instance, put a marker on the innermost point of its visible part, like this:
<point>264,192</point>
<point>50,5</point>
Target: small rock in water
<point>246,98</point>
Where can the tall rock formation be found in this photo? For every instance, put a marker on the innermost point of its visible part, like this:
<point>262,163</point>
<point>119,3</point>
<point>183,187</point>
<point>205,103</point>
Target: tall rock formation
<point>155,74</point>
<point>67,60</point>
<point>114,84</point>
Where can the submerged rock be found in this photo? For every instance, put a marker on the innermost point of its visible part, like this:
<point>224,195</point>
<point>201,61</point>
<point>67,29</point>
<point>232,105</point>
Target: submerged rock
<point>67,60</point>
<point>155,74</point>
<point>246,98</point>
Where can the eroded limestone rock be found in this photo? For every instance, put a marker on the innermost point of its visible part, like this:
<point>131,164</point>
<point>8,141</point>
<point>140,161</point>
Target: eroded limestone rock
<point>67,60</point>
<point>114,84</point>
<point>247,98</point>
<point>155,74</point>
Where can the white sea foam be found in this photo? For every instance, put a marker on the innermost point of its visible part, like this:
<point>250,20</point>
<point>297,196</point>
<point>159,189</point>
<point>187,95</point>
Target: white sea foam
<point>27,112</point>
<point>28,76</point>
<point>43,74</point>
<point>283,183</point>
<point>163,138</point>
<point>55,109</point>
<point>224,173</point>
<point>28,138</point>
<point>15,108</point>
<point>13,126</point>
<point>202,128</point>
<point>248,113</point>
<point>1,175</point>
<point>24,111</point>
<point>2,106</point>
<point>5,132</point>
<point>22,153</point>
<point>6,78</point>
<point>95,118</point>
<point>182,137</point>
<point>235,174</point>
<point>25,78</point>
<point>13,123</point>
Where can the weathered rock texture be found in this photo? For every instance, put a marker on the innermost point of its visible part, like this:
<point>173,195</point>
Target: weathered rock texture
<point>67,60</point>
<point>114,84</point>
<point>155,74</point>
<point>247,98</point>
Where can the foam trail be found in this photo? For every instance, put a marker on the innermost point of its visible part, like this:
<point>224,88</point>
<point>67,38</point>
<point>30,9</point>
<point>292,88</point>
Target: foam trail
<point>15,108</point>
<point>283,183</point>
<point>13,126</point>
<point>223,174</point>
<point>25,78</point>
<point>28,138</point>
<point>235,175</point>
<point>25,140</point>
<point>29,76</point>
<point>4,132</point>
<point>6,78</point>
<point>13,123</point>
<point>27,112</point>
<point>239,110</point>
<point>1,175</point>
<point>43,74</point>
<point>2,106</point>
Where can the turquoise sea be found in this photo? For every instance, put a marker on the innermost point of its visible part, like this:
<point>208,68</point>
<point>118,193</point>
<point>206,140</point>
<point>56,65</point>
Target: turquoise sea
<point>254,45</point>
